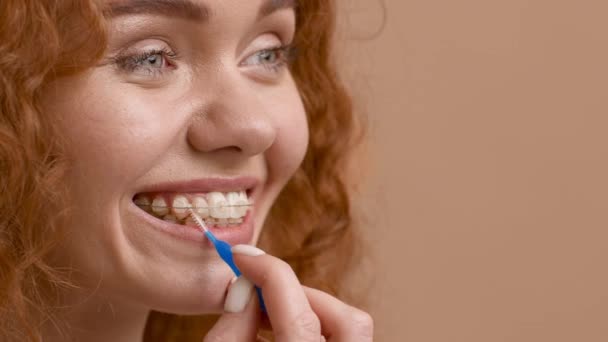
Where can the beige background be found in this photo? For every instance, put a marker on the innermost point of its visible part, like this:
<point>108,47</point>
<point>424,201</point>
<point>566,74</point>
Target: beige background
<point>486,185</point>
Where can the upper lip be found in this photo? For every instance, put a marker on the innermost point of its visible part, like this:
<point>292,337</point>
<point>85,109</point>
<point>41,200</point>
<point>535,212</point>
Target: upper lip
<point>220,184</point>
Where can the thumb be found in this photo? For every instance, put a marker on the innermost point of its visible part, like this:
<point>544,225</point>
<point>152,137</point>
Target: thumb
<point>241,316</point>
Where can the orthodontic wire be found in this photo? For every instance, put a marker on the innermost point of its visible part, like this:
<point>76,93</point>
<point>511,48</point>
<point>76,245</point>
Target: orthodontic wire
<point>214,207</point>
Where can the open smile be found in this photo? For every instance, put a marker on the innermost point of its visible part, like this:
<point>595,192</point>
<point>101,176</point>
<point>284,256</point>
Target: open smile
<point>226,206</point>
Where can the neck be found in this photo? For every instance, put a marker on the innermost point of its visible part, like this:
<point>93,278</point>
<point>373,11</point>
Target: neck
<point>96,319</point>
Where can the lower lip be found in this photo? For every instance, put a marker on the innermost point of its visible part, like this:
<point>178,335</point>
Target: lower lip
<point>238,234</point>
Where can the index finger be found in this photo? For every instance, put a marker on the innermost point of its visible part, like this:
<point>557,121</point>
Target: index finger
<point>289,311</point>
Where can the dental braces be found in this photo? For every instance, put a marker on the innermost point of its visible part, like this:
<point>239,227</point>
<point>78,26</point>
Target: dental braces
<point>213,207</point>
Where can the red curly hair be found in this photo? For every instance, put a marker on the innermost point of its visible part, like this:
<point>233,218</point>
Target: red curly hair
<point>44,40</point>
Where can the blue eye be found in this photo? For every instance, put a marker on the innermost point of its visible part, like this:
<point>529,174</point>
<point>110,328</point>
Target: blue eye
<point>268,56</point>
<point>272,59</point>
<point>153,62</point>
<point>156,60</point>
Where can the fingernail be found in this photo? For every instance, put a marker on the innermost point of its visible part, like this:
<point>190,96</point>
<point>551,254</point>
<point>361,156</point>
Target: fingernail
<point>247,250</point>
<point>238,295</point>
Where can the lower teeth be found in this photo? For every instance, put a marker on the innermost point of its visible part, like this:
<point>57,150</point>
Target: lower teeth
<point>210,221</point>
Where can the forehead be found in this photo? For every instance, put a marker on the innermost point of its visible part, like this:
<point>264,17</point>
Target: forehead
<point>197,10</point>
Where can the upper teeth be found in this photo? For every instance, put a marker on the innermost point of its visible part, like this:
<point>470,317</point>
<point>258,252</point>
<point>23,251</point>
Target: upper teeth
<point>202,208</point>
<point>159,206</point>
<point>215,204</point>
<point>180,206</point>
<point>218,205</point>
<point>238,203</point>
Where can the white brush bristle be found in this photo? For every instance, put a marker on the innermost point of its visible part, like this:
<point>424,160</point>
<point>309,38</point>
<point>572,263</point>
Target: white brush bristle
<point>198,220</point>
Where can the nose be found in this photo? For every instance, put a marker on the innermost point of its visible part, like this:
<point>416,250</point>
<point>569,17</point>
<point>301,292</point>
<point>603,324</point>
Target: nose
<point>235,120</point>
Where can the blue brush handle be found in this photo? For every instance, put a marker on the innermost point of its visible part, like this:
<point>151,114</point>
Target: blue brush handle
<point>223,248</point>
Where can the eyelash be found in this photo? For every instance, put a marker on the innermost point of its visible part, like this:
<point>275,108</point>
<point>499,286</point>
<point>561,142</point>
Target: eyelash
<point>133,63</point>
<point>286,55</point>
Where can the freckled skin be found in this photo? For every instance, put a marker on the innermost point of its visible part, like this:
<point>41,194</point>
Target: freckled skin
<point>205,115</point>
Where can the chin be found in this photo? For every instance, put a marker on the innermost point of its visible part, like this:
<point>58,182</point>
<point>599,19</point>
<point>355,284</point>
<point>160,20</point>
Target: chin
<point>192,295</point>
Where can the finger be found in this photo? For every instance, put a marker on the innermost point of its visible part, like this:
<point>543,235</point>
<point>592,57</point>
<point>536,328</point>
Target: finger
<point>290,314</point>
<point>238,325</point>
<point>340,321</point>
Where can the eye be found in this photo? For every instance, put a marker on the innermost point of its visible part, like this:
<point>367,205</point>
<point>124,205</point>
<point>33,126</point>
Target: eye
<point>273,60</point>
<point>156,60</point>
<point>152,62</point>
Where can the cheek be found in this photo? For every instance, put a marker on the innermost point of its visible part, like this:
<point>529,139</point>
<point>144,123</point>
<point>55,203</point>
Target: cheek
<point>113,136</point>
<point>286,155</point>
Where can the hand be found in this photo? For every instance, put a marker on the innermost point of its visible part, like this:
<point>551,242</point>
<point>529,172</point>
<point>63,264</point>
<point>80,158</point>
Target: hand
<point>296,312</point>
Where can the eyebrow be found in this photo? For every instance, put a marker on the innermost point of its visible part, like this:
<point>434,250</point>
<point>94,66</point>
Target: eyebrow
<point>173,8</point>
<point>186,9</point>
<point>271,6</point>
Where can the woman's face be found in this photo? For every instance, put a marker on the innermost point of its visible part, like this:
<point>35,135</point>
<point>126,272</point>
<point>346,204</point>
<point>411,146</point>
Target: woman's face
<point>192,101</point>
